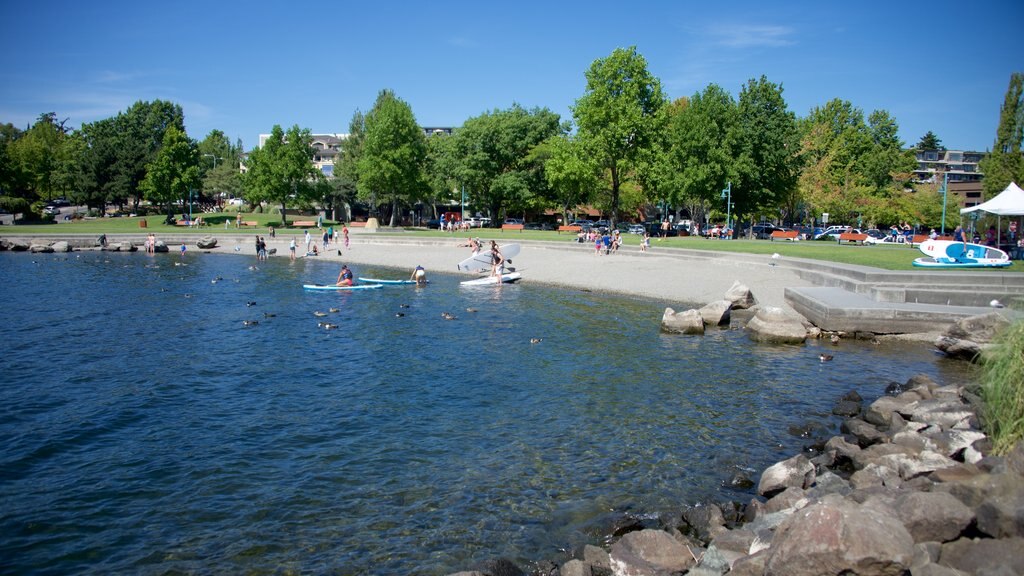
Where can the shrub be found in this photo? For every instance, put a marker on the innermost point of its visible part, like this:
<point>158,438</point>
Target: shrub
<point>1002,389</point>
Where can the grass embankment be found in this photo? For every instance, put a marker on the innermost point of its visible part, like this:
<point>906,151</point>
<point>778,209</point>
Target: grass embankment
<point>1002,389</point>
<point>884,257</point>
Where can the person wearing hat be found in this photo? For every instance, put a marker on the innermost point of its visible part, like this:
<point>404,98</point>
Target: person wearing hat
<point>419,275</point>
<point>345,276</point>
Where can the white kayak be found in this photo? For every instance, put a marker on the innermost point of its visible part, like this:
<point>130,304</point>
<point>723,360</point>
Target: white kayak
<point>507,278</point>
<point>389,282</point>
<point>481,261</point>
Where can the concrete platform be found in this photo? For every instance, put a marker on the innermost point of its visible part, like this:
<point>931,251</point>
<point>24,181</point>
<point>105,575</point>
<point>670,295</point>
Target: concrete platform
<point>836,309</point>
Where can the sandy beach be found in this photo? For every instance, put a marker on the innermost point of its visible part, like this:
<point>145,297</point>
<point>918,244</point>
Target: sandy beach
<point>680,278</point>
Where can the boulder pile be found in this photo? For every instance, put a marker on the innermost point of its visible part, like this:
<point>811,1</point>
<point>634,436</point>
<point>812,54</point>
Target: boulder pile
<point>907,488</point>
<point>769,324</point>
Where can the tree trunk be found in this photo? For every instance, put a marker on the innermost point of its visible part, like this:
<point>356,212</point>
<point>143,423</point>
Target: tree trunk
<point>284,214</point>
<point>615,195</point>
<point>394,211</point>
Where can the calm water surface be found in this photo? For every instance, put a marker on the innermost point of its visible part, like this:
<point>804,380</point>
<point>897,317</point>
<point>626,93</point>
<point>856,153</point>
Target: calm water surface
<point>144,429</point>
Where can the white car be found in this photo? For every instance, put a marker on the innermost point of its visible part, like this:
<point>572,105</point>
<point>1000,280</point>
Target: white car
<point>890,240</point>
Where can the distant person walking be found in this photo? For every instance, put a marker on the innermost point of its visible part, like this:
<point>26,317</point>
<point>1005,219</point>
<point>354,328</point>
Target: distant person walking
<point>291,247</point>
<point>308,241</point>
<point>344,232</point>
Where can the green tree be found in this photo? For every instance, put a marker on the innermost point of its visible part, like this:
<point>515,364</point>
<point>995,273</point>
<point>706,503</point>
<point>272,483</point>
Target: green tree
<point>703,145</point>
<point>620,116</point>
<point>174,174</point>
<point>282,170</point>
<point>394,151</point>
<point>35,153</point>
<point>1005,163</point>
<point>768,163</point>
<point>10,172</point>
<point>929,142</point>
<point>496,158</point>
<point>344,185</point>
<point>572,174</point>
<point>442,168</point>
<point>137,137</point>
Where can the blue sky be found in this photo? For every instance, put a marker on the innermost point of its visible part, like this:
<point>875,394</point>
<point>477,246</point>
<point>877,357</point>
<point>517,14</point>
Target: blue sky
<point>242,67</point>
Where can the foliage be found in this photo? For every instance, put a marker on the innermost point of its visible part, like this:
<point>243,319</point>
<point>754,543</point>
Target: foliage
<point>929,142</point>
<point>855,170</point>
<point>702,146</point>
<point>174,174</point>
<point>571,172</point>
<point>1002,389</point>
<point>1005,163</point>
<point>34,156</point>
<point>768,164</point>
<point>496,156</point>
<point>621,117</point>
<point>134,141</point>
<point>394,151</point>
<point>282,171</point>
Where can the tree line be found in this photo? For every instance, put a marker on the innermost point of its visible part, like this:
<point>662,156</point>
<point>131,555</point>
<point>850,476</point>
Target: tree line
<point>628,150</point>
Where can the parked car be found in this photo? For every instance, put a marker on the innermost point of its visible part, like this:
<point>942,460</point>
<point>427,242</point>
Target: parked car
<point>478,222</point>
<point>513,220</point>
<point>635,229</point>
<point>763,231</point>
<point>52,210</point>
<point>875,233</point>
<point>887,239</point>
<point>833,232</point>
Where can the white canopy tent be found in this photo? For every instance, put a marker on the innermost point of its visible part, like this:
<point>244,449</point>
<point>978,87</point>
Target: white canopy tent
<point>1009,202</point>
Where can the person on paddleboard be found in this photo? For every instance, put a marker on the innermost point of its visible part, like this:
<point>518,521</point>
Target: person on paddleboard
<point>419,275</point>
<point>345,276</point>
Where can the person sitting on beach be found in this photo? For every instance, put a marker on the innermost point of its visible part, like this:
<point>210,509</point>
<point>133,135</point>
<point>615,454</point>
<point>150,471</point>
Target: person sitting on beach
<point>345,276</point>
<point>419,275</point>
<point>313,252</point>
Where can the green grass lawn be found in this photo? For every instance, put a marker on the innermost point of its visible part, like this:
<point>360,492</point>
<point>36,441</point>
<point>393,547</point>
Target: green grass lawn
<point>884,257</point>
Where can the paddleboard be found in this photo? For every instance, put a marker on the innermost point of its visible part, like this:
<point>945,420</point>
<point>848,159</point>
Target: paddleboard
<point>952,254</point>
<point>482,260</point>
<point>492,280</point>
<point>390,282</point>
<point>333,287</point>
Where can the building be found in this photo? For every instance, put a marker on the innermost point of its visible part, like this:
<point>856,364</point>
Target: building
<point>326,148</point>
<point>961,166</point>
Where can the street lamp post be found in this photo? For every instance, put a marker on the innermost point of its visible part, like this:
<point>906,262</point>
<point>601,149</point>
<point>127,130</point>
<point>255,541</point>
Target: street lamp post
<point>727,196</point>
<point>945,186</point>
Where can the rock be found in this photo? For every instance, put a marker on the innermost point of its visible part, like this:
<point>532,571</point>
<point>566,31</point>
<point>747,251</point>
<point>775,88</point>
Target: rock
<point>500,567</point>
<point>688,322</point>
<point>846,408</point>
<point>968,337</point>
<point>945,413</point>
<point>796,472</point>
<point>41,249</point>
<point>123,247</point>
<point>161,247</point>
<point>865,433</point>
<point>839,537</point>
<point>913,439</point>
<point>752,565</point>
<point>772,324</point>
<point>716,313</point>
<point>931,516</point>
<point>791,498</point>
<point>206,243</point>
<point>596,557</point>
<point>953,442</point>
<point>874,475</point>
<point>984,556</point>
<point>17,245</point>
<point>649,553</point>
<point>1001,514</point>
<point>575,568</point>
<point>705,521</point>
<point>828,483</point>
<point>880,411</point>
<point>740,296</point>
<point>844,451</point>
<point>61,246</point>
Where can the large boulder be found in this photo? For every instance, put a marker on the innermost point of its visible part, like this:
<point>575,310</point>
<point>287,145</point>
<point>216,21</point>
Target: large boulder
<point>775,325</point>
<point>41,249</point>
<point>797,472</point>
<point>686,322</point>
<point>740,296</point>
<point>716,313</point>
<point>984,556</point>
<point>837,536</point>
<point>206,242</point>
<point>930,516</point>
<point>61,246</point>
<point>969,337</point>
<point>650,553</point>
<point>161,247</point>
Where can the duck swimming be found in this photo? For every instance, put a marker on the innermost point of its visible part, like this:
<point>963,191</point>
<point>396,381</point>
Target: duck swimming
<point>319,314</point>
<point>824,357</point>
<point>536,340</point>
<point>249,322</point>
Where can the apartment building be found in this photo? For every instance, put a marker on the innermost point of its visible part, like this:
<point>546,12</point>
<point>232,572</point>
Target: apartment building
<point>960,165</point>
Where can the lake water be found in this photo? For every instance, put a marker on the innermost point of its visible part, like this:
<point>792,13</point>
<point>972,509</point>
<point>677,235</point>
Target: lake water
<point>144,429</point>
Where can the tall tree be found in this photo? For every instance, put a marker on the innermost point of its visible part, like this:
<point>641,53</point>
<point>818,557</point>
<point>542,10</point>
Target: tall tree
<point>572,174</point>
<point>496,160</point>
<point>768,164</point>
<point>282,170</point>
<point>929,142</point>
<point>138,135</point>
<point>390,169</point>
<point>218,164</point>
<point>1005,163</point>
<point>344,185</point>
<point>11,182</point>
<point>620,115</point>
<point>703,146</point>
<point>36,152</point>
<point>174,174</point>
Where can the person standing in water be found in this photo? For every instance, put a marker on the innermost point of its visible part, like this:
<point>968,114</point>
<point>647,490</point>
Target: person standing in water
<point>497,260</point>
<point>419,275</point>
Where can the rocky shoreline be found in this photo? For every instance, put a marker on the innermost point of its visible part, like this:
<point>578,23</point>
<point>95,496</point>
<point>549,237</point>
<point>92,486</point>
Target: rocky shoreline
<point>908,487</point>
